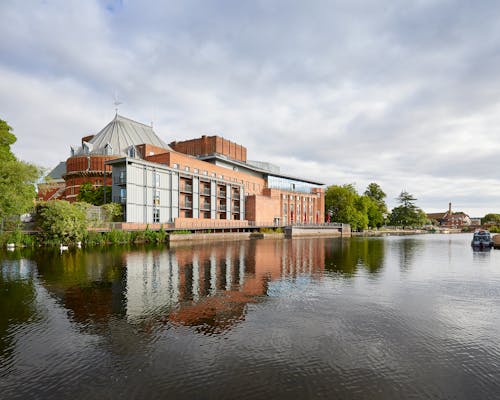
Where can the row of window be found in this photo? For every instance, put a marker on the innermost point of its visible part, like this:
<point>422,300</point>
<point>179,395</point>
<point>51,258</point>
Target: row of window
<point>276,182</point>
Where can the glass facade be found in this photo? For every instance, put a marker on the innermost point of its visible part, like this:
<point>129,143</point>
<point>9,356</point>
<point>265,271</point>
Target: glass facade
<point>277,182</point>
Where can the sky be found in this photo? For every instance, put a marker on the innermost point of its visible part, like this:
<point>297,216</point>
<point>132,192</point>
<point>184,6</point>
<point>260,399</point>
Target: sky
<point>404,94</point>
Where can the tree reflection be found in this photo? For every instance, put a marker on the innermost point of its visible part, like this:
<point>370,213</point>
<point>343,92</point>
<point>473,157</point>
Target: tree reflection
<point>17,299</point>
<point>205,286</point>
<point>344,256</point>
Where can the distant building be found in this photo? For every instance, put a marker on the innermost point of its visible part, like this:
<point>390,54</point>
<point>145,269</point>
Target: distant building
<point>193,183</point>
<point>450,219</point>
<point>54,186</point>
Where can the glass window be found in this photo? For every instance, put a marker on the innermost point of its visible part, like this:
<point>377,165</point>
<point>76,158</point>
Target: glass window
<point>156,179</point>
<point>156,215</point>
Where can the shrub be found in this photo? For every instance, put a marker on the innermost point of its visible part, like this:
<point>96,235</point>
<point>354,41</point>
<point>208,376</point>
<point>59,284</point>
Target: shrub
<point>61,221</point>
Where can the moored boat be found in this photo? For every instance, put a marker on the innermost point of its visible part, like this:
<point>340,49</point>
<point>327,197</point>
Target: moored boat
<point>482,239</point>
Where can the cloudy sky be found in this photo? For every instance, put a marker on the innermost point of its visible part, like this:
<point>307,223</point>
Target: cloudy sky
<point>405,94</point>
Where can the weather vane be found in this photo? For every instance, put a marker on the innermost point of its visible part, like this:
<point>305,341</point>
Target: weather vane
<point>116,103</point>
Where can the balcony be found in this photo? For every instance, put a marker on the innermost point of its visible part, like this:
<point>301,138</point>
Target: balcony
<point>205,191</point>
<point>120,180</point>
<point>205,206</point>
<point>222,207</point>
<point>221,193</point>
<point>187,204</point>
<point>236,209</point>
<point>186,188</point>
<point>120,199</point>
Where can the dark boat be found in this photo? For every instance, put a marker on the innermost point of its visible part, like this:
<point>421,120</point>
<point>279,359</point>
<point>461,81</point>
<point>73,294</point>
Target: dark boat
<point>482,239</point>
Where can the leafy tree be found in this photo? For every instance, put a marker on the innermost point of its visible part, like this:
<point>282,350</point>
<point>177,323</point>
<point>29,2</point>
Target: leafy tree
<point>112,212</point>
<point>377,210</point>
<point>91,195</point>
<point>491,219</point>
<point>17,178</point>
<point>407,214</point>
<point>345,205</point>
<point>62,221</point>
<point>375,192</point>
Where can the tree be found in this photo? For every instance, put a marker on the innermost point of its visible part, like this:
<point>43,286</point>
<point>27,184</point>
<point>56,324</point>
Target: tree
<point>91,195</point>
<point>491,219</point>
<point>61,221</point>
<point>407,214</point>
<point>375,192</point>
<point>345,205</point>
<point>377,209</point>
<point>17,178</point>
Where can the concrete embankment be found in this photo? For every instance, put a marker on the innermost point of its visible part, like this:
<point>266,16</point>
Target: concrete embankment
<point>496,241</point>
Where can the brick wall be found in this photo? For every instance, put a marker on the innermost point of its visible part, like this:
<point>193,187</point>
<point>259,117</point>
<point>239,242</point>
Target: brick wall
<point>211,144</point>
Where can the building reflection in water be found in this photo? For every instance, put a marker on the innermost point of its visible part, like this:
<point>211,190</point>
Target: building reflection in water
<point>210,285</point>
<point>207,286</point>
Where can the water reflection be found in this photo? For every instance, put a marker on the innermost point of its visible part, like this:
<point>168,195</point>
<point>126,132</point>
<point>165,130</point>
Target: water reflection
<point>17,299</point>
<point>202,286</point>
<point>208,286</point>
<point>347,255</point>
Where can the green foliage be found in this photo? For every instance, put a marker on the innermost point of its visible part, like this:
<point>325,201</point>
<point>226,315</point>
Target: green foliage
<point>19,238</point>
<point>407,214</point>
<point>62,222</point>
<point>17,178</point>
<point>494,229</point>
<point>377,209</point>
<point>271,230</point>
<point>112,212</point>
<point>347,206</point>
<point>181,232</point>
<point>94,196</point>
<point>491,219</point>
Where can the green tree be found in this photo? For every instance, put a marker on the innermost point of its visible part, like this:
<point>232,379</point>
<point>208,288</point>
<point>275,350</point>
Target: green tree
<point>407,214</point>
<point>91,195</point>
<point>17,178</point>
<point>377,209</point>
<point>345,205</point>
<point>62,222</point>
<point>491,219</point>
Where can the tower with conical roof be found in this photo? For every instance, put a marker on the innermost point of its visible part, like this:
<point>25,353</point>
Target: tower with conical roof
<point>121,137</point>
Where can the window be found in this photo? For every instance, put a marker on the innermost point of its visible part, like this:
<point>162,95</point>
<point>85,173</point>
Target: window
<point>196,170</point>
<point>186,168</point>
<point>156,179</point>
<point>156,215</point>
<point>108,149</point>
<point>205,172</point>
<point>156,198</point>
<point>176,165</point>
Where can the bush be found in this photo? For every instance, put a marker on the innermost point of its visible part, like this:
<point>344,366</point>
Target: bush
<point>61,221</point>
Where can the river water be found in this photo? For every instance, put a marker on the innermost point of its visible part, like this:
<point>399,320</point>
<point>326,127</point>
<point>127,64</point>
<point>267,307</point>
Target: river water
<point>362,318</point>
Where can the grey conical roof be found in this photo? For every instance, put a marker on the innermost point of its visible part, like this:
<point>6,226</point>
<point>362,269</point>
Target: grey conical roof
<point>117,137</point>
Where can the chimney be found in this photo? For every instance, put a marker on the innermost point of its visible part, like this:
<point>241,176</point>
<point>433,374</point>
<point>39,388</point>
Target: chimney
<point>449,208</point>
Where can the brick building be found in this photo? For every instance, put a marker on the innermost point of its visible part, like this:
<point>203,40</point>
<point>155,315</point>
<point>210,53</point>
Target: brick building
<point>450,219</point>
<point>200,182</point>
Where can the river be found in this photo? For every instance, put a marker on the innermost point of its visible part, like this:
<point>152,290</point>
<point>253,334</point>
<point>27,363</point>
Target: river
<point>361,318</point>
